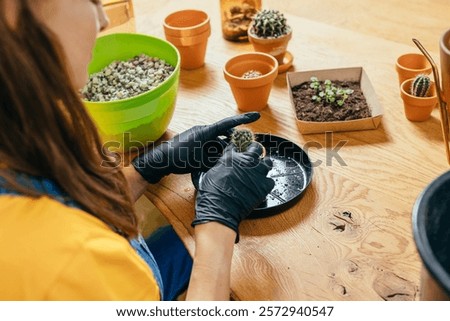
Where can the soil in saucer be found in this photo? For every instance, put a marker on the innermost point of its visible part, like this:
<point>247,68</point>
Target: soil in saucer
<point>355,106</point>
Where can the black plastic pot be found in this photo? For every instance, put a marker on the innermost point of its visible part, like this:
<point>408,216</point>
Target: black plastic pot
<point>431,227</point>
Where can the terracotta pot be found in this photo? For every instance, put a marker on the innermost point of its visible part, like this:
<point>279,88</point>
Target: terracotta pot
<point>417,108</point>
<point>192,49</point>
<point>273,46</point>
<point>251,94</point>
<point>189,30</point>
<point>186,23</point>
<point>410,65</point>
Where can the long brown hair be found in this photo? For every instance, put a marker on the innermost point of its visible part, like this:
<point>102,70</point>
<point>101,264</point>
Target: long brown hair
<point>45,130</point>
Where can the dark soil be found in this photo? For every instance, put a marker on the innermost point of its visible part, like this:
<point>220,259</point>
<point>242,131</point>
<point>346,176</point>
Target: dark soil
<point>355,106</point>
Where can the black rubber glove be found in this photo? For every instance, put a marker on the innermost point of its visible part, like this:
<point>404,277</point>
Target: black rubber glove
<point>195,149</point>
<point>236,185</point>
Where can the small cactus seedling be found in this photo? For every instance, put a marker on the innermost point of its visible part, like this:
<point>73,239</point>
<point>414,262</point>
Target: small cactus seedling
<point>420,86</point>
<point>270,24</point>
<point>242,138</point>
<point>329,93</point>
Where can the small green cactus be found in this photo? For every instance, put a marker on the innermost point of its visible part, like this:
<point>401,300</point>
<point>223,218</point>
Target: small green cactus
<point>242,138</point>
<point>270,24</point>
<point>420,86</point>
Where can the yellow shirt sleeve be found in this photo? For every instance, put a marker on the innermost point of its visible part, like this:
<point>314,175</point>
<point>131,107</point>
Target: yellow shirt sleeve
<point>53,252</point>
<point>105,270</point>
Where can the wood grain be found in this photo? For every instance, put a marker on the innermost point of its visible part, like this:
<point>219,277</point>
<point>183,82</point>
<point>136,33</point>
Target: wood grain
<point>349,237</point>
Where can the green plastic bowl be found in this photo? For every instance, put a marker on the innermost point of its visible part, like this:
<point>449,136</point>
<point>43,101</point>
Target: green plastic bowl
<point>138,121</point>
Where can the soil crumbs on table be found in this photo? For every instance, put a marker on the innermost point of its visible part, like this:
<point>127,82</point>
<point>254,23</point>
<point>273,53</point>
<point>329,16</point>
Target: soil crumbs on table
<point>355,106</point>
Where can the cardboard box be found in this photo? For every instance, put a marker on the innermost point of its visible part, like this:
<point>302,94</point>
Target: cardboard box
<point>342,74</point>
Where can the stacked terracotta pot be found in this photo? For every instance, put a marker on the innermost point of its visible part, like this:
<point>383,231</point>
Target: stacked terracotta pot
<point>409,66</point>
<point>189,30</point>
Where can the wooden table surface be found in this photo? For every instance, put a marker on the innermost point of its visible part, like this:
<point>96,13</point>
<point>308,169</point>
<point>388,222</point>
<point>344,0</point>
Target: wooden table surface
<point>317,250</point>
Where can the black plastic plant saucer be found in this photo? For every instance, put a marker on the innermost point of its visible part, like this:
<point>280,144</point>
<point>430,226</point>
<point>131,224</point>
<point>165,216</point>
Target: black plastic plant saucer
<point>292,173</point>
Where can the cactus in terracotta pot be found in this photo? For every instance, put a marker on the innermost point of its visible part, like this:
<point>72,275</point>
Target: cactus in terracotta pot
<point>270,33</point>
<point>420,86</point>
<point>270,24</point>
<point>419,97</point>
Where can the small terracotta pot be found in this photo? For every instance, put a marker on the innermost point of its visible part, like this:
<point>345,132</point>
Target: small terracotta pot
<point>192,49</point>
<point>273,46</point>
<point>417,108</point>
<point>186,23</point>
<point>251,94</point>
<point>410,65</point>
<point>189,30</point>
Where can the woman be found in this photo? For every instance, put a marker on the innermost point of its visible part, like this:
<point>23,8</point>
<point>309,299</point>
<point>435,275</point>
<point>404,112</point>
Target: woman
<point>67,225</point>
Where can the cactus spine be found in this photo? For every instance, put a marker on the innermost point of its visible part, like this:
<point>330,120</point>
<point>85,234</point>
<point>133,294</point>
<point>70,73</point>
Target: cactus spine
<point>242,138</point>
<point>270,24</point>
<point>420,86</point>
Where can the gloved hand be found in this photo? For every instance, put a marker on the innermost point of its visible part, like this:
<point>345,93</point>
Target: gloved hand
<point>230,190</point>
<point>189,151</point>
